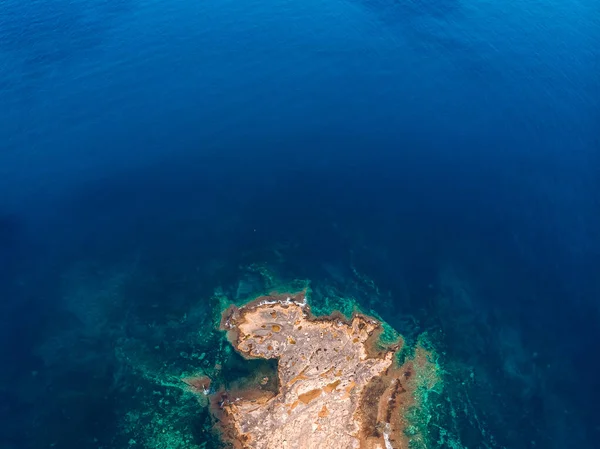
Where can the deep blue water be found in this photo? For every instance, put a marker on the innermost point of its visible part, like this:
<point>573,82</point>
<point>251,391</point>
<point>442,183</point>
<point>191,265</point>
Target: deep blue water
<point>449,150</point>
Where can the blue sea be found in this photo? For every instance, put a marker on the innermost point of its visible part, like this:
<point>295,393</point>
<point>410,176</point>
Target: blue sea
<point>435,161</point>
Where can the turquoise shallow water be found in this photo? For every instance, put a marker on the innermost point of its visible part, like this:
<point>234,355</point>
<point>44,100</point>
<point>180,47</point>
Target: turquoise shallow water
<point>435,161</point>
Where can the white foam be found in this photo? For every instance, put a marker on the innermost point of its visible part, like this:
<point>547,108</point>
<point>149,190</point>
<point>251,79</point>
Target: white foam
<point>386,437</point>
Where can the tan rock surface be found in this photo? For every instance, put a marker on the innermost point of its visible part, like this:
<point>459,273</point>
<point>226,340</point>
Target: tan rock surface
<point>337,389</point>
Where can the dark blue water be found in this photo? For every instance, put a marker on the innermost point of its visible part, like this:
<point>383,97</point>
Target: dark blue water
<point>448,150</point>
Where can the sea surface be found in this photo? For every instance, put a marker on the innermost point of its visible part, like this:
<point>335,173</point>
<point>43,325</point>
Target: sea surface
<point>435,161</point>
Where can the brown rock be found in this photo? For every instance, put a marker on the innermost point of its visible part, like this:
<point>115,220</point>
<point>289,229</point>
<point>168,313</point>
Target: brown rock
<point>337,387</point>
